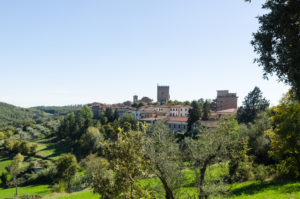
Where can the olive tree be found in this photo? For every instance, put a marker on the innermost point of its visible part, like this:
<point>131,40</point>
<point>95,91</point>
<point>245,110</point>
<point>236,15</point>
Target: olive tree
<point>14,169</point>
<point>210,147</point>
<point>163,154</point>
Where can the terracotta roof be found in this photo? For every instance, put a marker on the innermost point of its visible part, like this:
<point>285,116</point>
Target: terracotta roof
<point>178,119</point>
<point>228,111</point>
<point>182,106</point>
<point>151,119</point>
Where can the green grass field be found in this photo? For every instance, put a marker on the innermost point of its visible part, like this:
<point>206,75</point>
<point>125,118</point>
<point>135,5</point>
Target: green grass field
<point>38,189</point>
<point>246,190</point>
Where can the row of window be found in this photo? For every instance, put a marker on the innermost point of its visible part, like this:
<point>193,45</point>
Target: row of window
<point>178,126</point>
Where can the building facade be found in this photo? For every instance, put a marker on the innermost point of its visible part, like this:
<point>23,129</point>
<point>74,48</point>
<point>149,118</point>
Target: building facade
<point>163,94</point>
<point>226,100</point>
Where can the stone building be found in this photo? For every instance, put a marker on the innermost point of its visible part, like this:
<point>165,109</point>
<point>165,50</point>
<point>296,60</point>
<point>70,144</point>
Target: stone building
<point>163,94</point>
<point>226,100</point>
<point>135,98</point>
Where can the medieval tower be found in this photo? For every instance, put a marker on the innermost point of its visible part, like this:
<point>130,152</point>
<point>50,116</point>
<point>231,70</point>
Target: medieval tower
<point>163,94</point>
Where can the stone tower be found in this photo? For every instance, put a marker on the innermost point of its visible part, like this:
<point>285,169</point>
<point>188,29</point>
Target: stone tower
<point>135,98</point>
<point>163,94</point>
<point>226,100</point>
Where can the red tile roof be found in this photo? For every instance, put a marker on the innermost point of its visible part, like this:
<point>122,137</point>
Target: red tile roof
<point>178,119</point>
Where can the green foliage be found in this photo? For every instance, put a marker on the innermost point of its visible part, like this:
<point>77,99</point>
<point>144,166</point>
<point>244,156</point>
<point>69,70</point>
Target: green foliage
<point>162,152</point>
<point>285,137</point>
<point>58,110</point>
<point>128,119</point>
<point>206,110</point>
<point>13,115</point>
<point>126,160</point>
<point>14,169</point>
<point>89,141</point>
<point>258,142</point>
<point>74,126</point>
<point>194,115</point>
<point>101,178</point>
<point>24,147</point>
<point>66,167</point>
<point>209,147</point>
<point>277,42</point>
<point>253,104</point>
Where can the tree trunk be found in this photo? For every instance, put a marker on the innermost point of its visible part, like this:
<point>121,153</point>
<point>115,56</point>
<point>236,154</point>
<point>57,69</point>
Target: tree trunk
<point>16,190</point>
<point>202,194</point>
<point>168,190</point>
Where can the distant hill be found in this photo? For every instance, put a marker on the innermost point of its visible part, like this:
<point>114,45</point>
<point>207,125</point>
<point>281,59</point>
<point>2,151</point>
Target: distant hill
<point>10,114</point>
<point>57,110</point>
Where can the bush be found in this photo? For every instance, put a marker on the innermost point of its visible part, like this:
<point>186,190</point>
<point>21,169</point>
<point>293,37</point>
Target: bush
<point>4,180</point>
<point>261,172</point>
<point>59,187</point>
<point>242,172</point>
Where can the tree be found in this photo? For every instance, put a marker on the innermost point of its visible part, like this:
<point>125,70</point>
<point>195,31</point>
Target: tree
<point>206,110</point>
<point>285,137</point>
<point>194,115</point>
<point>277,42</point>
<point>163,154</point>
<point>109,114</point>
<point>253,104</point>
<point>89,141</point>
<point>210,147</point>
<point>102,179</point>
<point>128,118</point>
<point>258,142</point>
<point>66,167</point>
<point>14,169</point>
<point>126,160</point>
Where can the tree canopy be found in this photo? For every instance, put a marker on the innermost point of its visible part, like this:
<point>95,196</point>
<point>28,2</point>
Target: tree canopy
<point>253,104</point>
<point>277,42</point>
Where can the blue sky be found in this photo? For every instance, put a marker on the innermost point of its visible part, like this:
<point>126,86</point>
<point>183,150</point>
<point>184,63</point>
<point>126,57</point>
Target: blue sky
<point>60,52</point>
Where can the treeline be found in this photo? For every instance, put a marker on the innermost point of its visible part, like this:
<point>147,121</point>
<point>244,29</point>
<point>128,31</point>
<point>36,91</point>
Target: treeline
<point>12,115</point>
<point>58,110</point>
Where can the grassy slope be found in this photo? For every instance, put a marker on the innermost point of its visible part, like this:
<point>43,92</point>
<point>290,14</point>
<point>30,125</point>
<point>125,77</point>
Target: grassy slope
<point>248,190</point>
<point>39,189</point>
<point>3,163</point>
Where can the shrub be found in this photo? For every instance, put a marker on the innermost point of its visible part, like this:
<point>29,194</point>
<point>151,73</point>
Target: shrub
<point>4,180</point>
<point>261,172</point>
<point>59,187</point>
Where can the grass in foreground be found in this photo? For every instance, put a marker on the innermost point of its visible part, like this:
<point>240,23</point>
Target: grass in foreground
<point>37,189</point>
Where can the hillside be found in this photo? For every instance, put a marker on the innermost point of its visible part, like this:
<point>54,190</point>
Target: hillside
<point>57,110</point>
<point>10,114</point>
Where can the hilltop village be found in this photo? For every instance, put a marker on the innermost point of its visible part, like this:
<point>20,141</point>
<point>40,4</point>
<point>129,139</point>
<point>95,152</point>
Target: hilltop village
<point>175,114</point>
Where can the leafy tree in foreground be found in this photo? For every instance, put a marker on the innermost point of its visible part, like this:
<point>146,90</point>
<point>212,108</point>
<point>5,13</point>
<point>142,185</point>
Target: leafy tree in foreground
<point>285,137</point>
<point>66,167</point>
<point>210,147</point>
<point>258,142</point>
<point>102,179</point>
<point>277,42</point>
<point>14,169</point>
<point>126,160</point>
<point>163,154</point>
<point>253,104</point>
